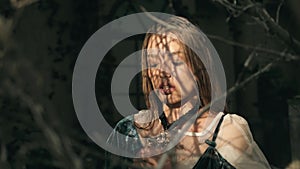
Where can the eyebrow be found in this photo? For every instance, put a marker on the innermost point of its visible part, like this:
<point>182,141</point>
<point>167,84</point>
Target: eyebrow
<point>173,53</point>
<point>152,55</point>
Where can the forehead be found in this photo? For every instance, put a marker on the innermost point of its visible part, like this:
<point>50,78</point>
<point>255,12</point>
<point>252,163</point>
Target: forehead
<point>167,43</point>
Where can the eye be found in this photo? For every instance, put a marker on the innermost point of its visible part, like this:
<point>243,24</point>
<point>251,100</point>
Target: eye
<point>153,61</point>
<point>178,62</point>
<point>153,65</point>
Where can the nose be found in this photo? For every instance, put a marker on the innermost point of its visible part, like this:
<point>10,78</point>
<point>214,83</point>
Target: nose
<point>166,70</point>
<point>164,74</point>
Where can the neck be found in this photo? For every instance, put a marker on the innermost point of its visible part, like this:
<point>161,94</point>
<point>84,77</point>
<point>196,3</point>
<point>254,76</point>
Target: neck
<point>173,113</point>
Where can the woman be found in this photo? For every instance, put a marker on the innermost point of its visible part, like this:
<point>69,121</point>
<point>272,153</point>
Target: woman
<point>177,85</point>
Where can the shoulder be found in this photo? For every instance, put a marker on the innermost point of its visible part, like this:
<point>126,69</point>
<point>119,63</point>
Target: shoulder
<point>234,118</point>
<point>235,130</point>
<point>235,121</point>
<point>234,137</point>
<point>236,144</point>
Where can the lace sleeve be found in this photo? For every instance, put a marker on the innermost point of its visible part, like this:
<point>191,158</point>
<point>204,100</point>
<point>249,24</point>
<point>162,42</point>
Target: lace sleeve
<point>236,144</point>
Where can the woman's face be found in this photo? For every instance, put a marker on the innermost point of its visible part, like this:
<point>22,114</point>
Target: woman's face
<point>171,78</point>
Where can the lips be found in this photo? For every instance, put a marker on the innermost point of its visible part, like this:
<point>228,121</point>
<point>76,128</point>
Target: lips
<point>166,88</point>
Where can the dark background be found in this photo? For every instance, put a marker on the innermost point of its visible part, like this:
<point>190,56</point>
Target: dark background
<point>40,42</point>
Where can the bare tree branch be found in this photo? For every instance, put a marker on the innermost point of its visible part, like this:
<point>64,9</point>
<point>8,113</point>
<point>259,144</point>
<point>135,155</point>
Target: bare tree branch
<point>245,67</point>
<point>256,48</point>
<point>278,11</point>
<point>22,3</point>
<point>234,9</point>
<point>77,163</point>
<point>238,44</point>
<point>7,25</point>
<point>57,143</point>
<point>255,10</point>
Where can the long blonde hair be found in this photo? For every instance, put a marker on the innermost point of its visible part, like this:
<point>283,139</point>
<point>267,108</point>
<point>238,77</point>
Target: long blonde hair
<point>193,61</point>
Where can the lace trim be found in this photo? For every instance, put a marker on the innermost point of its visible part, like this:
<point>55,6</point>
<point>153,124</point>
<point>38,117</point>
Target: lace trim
<point>207,130</point>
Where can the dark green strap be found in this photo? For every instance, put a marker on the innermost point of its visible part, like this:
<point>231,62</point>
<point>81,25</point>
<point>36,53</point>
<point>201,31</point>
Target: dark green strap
<point>212,142</point>
<point>184,118</point>
<point>218,128</point>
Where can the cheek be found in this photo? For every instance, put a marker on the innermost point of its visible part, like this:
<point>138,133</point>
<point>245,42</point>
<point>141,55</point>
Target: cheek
<point>155,83</point>
<point>186,81</point>
<point>153,74</point>
<point>153,78</point>
<point>150,73</point>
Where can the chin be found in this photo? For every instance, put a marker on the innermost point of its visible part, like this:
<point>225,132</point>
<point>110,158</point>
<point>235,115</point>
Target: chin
<point>169,99</point>
<point>173,100</point>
